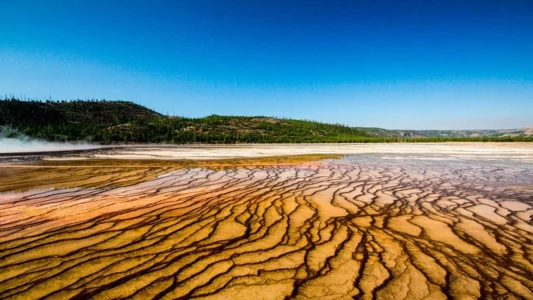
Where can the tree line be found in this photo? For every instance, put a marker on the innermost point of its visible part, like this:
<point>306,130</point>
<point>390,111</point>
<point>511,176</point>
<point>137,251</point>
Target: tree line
<point>126,122</point>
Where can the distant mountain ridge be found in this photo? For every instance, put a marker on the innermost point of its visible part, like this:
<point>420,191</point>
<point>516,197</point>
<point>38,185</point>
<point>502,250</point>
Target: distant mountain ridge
<point>524,132</point>
<point>122,121</point>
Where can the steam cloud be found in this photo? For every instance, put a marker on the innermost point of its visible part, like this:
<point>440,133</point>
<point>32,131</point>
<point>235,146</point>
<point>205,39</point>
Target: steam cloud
<point>12,141</point>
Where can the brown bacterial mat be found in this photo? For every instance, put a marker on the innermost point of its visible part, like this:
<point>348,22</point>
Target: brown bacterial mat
<point>302,227</point>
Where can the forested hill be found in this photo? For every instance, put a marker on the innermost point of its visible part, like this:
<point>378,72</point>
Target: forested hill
<point>122,121</point>
<point>27,113</point>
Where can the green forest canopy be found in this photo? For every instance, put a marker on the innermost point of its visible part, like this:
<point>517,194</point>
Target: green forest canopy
<point>123,122</point>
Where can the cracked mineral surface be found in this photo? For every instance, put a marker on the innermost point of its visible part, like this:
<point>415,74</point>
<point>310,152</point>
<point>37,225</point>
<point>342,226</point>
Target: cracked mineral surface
<point>363,226</point>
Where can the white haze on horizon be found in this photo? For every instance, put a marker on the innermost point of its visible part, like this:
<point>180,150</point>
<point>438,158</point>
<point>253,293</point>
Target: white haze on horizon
<point>16,145</point>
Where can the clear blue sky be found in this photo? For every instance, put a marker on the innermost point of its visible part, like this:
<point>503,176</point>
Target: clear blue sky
<point>393,64</point>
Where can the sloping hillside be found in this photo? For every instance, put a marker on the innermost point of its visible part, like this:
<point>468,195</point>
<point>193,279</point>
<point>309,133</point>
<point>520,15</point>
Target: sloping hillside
<point>528,130</point>
<point>23,113</point>
<point>120,121</point>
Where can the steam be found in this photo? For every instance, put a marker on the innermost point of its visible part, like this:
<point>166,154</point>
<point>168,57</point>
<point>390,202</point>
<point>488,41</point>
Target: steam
<point>11,141</point>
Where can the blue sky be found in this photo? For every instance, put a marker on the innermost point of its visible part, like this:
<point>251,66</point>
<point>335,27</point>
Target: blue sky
<point>392,64</point>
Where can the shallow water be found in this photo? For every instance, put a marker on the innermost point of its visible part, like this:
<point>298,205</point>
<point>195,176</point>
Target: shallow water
<point>369,226</point>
